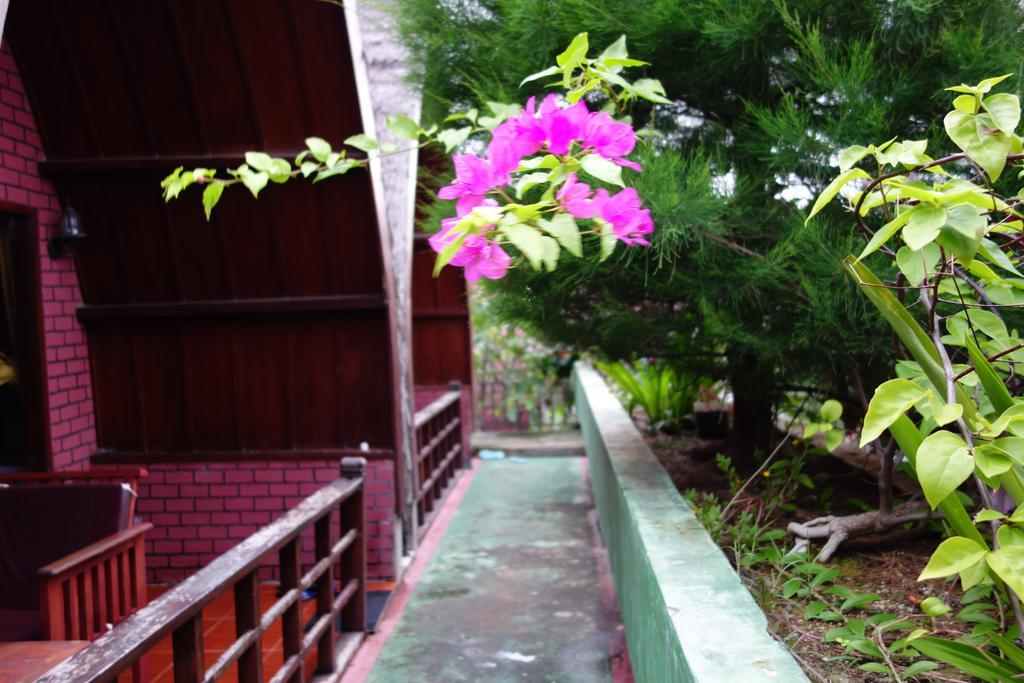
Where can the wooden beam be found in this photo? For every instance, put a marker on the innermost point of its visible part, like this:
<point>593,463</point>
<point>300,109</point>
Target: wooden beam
<point>155,163</point>
<point>442,312</point>
<point>231,307</point>
<point>334,454</point>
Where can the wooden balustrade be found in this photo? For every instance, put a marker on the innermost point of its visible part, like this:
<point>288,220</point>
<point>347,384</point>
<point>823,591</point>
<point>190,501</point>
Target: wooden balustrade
<point>439,454</point>
<point>100,585</point>
<point>337,628</point>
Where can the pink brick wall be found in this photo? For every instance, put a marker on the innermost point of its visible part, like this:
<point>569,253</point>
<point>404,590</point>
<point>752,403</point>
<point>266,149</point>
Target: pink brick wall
<point>72,431</point>
<point>200,511</point>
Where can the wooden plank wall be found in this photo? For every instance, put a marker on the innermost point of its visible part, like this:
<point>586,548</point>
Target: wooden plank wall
<point>264,334</point>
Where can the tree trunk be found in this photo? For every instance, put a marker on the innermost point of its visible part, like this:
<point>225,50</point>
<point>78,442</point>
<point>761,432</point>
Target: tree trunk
<point>753,399</point>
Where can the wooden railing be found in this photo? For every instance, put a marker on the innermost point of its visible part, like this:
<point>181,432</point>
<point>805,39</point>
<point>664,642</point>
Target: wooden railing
<point>439,453</point>
<point>99,585</point>
<point>337,627</point>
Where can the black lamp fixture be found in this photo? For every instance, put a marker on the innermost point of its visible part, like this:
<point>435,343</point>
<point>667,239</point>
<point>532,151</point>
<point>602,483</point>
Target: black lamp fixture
<point>69,233</point>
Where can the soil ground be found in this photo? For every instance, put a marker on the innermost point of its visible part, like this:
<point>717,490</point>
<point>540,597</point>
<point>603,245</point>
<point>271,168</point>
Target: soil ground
<point>887,565</point>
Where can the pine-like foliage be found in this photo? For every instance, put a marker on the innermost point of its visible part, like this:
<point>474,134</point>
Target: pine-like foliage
<point>764,91</point>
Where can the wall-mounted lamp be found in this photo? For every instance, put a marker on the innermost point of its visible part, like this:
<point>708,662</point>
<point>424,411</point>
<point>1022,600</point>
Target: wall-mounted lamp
<point>69,233</point>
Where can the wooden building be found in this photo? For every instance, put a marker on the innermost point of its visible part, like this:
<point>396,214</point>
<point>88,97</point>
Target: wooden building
<point>237,359</point>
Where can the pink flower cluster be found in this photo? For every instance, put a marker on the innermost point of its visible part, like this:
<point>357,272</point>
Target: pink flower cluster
<point>554,130</point>
<point>623,210</point>
<point>478,255</point>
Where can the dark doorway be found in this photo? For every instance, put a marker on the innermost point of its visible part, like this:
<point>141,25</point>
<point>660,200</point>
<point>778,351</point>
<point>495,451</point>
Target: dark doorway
<point>23,419</point>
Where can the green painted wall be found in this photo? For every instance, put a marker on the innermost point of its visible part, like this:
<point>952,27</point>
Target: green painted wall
<point>687,615</point>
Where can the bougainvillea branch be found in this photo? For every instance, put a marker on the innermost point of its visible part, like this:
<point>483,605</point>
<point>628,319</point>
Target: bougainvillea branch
<point>552,173</point>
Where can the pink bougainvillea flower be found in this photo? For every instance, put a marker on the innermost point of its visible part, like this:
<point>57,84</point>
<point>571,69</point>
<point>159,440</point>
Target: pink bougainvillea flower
<point>478,254</point>
<point>575,197</point>
<point>489,260</point>
<point>474,178</point>
<point>608,137</point>
<point>629,220</point>
<point>562,127</point>
<point>629,164</point>
<point>516,138</point>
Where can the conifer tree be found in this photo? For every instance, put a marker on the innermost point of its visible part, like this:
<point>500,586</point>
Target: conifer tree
<point>735,285</point>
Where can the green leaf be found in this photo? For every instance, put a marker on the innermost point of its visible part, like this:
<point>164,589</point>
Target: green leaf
<point>1010,650</point>
<point>987,515</point>
<point>961,235</point>
<point>944,413</point>
<point>531,180</point>
<point>920,667</point>
<point>831,410</point>
<point>826,576</point>
<point>602,169</point>
<point>991,251</point>
<point>404,127</point>
<point>851,155</point>
<point>259,161</point>
<point>254,181</point>
<point>943,463</point>
<point>891,400</point>
<point>923,226</point>
<point>550,71</point>
<point>651,89</point>
<point>574,55</point>
<point>915,265</point>
<point>990,380</point>
<point>362,142</point>
<point>917,342</point>
<point>875,667</point>
<point>319,147</point>
<point>529,241</point>
<point>453,137</point>
<point>961,128</point>
<point>280,170</point>
<point>934,607</point>
<point>211,195</point>
<point>564,229</point>
<point>887,231</point>
<point>951,557</point>
<point>968,104</point>
<point>989,151</point>
<point>992,461</point>
<point>1010,536</point>
<point>859,601</point>
<point>989,83</point>
<point>832,189</point>
<point>308,168</point>
<point>1013,446</point>
<point>833,439</point>
<point>967,658</point>
<point>339,168</point>
<point>1004,109</point>
<point>978,613</point>
<point>1008,564</point>
<point>814,608</point>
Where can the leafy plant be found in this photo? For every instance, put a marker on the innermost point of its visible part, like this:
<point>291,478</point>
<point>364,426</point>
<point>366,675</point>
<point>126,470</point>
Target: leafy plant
<point>519,378</point>
<point>954,238</point>
<point>665,394</point>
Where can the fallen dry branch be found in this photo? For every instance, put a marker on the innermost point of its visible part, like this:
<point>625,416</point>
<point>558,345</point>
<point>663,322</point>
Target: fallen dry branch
<point>839,529</point>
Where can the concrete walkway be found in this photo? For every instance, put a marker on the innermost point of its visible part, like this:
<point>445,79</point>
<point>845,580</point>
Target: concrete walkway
<point>516,590</point>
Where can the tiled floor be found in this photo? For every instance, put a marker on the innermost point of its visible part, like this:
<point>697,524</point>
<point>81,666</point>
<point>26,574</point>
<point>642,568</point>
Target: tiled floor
<point>219,634</point>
